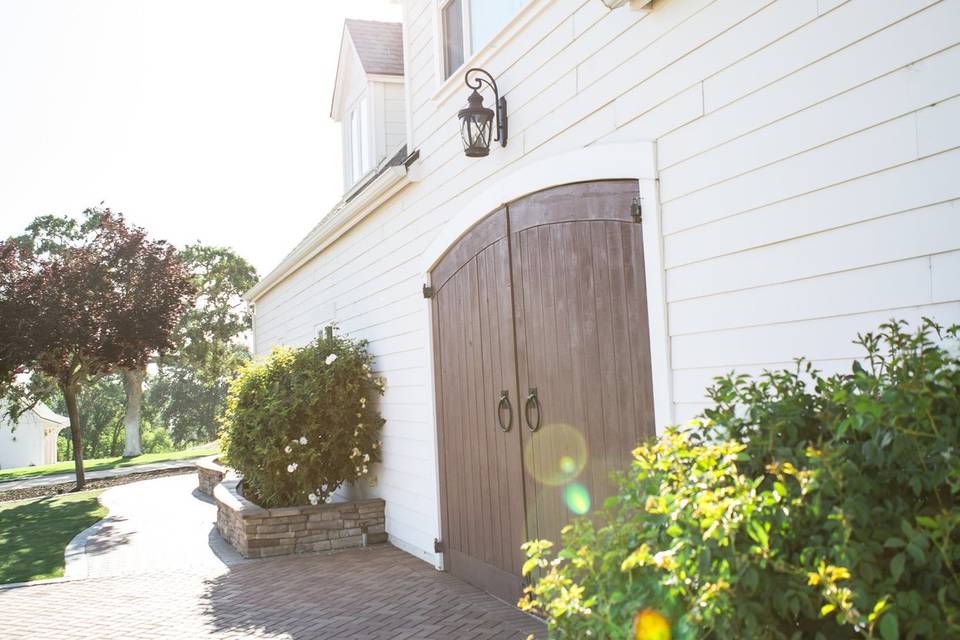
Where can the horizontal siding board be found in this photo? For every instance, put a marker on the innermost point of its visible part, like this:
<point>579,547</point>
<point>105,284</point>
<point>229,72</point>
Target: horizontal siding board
<point>690,385</point>
<point>937,126</point>
<point>901,44</point>
<point>886,98</point>
<point>820,339</point>
<point>661,52</point>
<point>754,32</point>
<point>877,148</point>
<point>887,286</point>
<point>854,20</point>
<point>945,276</point>
<point>901,188</point>
<point>911,234</point>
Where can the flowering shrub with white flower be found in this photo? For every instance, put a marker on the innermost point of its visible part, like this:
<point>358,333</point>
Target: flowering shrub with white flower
<point>301,422</point>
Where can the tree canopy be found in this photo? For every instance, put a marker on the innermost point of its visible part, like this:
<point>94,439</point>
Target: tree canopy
<point>189,393</point>
<point>82,299</point>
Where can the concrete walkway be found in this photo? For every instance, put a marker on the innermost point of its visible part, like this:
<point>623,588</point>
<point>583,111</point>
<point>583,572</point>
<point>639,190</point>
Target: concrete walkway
<point>156,568</point>
<point>65,478</point>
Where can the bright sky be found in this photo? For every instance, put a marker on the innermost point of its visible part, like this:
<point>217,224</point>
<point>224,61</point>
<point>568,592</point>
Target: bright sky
<point>199,119</point>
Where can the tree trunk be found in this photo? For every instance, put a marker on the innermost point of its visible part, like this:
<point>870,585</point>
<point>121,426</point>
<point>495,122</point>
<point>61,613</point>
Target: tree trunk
<point>113,441</point>
<point>133,387</point>
<point>70,398</point>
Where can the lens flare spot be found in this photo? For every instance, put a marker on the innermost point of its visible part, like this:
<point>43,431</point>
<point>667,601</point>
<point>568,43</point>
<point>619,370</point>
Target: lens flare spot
<point>556,455</point>
<point>577,498</point>
<point>651,625</point>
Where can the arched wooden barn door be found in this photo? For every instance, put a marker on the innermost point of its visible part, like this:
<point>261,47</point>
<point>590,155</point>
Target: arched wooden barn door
<point>540,313</point>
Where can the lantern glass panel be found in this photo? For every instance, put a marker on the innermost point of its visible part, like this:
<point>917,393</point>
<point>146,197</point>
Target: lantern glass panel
<point>476,127</point>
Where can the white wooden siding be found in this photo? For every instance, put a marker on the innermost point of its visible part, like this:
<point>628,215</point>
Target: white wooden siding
<point>808,153</point>
<point>394,117</point>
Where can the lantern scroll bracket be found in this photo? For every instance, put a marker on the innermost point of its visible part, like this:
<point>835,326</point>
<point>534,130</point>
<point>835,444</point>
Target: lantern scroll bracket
<point>475,79</point>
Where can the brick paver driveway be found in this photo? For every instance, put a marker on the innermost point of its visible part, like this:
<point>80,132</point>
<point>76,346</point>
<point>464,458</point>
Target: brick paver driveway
<point>365,593</point>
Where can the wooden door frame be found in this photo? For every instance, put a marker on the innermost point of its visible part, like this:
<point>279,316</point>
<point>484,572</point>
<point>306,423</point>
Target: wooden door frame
<point>632,161</point>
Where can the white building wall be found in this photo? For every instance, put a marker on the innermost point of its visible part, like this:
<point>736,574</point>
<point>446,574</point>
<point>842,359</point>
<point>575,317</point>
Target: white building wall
<point>23,444</point>
<point>394,116</point>
<point>808,153</point>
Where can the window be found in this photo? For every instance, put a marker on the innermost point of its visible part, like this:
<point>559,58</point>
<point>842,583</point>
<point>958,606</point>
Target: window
<point>470,24</point>
<point>359,140</point>
<point>452,36</point>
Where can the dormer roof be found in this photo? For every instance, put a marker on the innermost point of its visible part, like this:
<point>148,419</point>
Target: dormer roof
<point>375,47</point>
<point>379,45</point>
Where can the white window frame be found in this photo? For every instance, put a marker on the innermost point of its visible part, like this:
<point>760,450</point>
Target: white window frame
<point>469,47</point>
<point>359,139</point>
<point>442,40</point>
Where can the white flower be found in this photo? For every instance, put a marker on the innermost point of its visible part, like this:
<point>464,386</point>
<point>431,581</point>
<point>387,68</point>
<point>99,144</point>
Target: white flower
<point>331,358</point>
<point>359,425</point>
<point>292,467</point>
<point>303,439</point>
<point>313,498</point>
<point>366,367</point>
<point>355,433</point>
<point>355,453</point>
<point>363,402</point>
<point>364,468</point>
<point>374,445</point>
<point>366,457</point>
<point>288,449</point>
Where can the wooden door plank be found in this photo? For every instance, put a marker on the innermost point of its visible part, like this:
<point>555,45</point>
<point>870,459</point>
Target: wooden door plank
<point>625,347</point>
<point>484,233</point>
<point>487,437</point>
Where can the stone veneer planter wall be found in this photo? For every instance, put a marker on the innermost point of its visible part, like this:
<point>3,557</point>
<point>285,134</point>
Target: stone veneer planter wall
<point>210,475</point>
<point>258,533</point>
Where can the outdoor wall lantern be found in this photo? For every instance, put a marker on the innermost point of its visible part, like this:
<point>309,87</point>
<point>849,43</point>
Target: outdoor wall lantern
<point>477,121</point>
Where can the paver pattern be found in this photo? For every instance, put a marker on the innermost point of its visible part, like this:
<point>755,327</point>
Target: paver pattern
<point>155,525</point>
<point>139,587</point>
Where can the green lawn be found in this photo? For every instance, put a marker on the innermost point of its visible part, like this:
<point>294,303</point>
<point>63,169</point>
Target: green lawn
<point>105,463</point>
<point>34,533</point>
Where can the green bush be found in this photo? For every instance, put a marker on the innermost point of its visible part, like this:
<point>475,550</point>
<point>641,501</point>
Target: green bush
<point>301,423</point>
<point>801,506</point>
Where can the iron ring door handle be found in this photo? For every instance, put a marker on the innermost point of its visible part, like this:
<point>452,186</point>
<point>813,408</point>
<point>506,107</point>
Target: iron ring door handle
<point>504,402</point>
<point>532,400</point>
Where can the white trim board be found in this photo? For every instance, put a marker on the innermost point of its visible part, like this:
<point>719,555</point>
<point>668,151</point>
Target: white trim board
<point>597,162</point>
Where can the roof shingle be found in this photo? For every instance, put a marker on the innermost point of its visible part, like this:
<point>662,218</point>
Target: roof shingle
<point>379,45</point>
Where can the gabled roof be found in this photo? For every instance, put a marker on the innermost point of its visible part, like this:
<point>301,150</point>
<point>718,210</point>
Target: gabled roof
<point>46,414</point>
<point>379,45</point>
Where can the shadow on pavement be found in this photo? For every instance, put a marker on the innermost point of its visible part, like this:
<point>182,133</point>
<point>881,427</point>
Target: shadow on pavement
<point>364,593</point>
